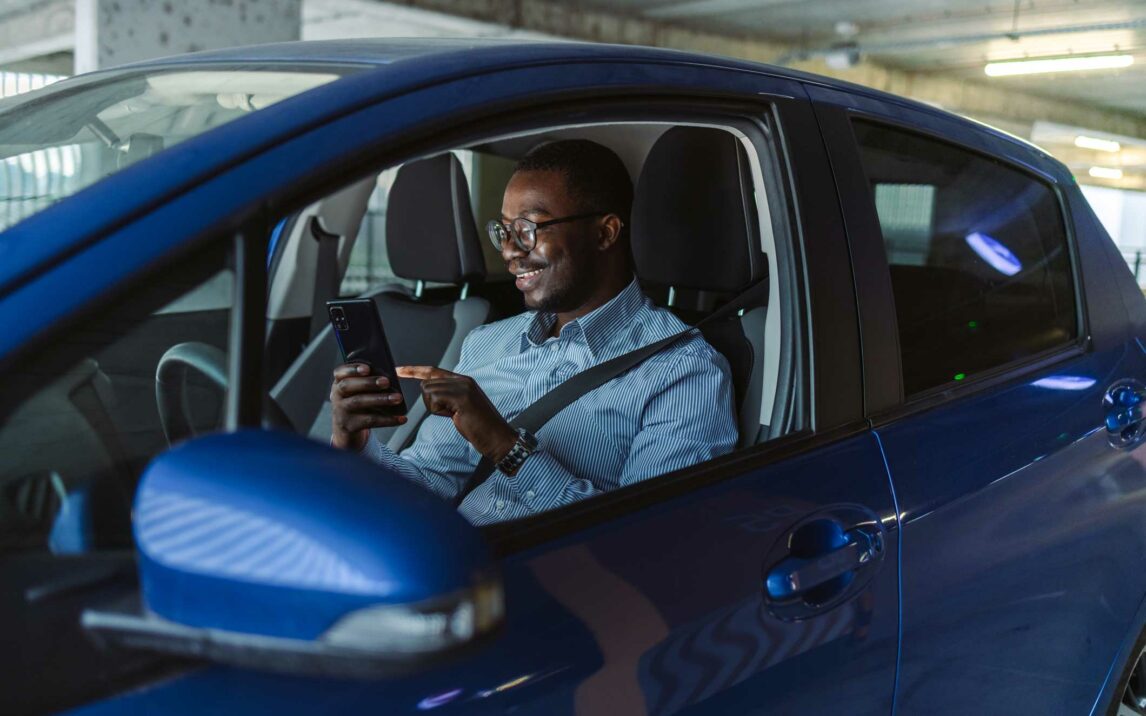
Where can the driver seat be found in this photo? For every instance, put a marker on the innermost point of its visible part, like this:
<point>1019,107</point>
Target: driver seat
<point>695,240</point>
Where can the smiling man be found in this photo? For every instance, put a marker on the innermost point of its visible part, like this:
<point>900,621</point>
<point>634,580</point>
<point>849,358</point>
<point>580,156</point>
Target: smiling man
<point>562,233</point>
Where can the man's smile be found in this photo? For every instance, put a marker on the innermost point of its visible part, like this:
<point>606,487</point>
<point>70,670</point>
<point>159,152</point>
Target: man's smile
<point>527,279</point>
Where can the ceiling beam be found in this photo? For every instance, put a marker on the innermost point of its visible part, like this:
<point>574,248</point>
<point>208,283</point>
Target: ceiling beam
<point>1016,111</point>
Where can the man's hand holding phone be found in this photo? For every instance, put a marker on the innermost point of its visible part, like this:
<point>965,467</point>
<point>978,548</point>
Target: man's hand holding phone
<point>358,401</point>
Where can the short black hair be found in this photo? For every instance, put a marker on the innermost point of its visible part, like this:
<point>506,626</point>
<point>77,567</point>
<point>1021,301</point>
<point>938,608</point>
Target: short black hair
<point>595,176</point>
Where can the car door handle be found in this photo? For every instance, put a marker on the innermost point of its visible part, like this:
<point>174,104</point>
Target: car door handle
<point>1125,408</point>
<point>797,575</point>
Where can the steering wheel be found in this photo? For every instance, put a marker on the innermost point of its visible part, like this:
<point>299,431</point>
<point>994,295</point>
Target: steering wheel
<point>171,384</point>
<point>171,389</point>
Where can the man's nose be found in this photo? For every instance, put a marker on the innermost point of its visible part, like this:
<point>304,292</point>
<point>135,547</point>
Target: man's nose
<point>510,250</point>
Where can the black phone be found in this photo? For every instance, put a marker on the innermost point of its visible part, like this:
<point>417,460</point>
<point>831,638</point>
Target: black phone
<point>361,338</point>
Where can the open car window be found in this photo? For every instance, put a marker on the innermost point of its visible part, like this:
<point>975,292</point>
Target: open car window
<point>399,234</point>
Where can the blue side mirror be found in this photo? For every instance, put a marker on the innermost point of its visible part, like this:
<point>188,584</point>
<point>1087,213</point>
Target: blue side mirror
<point>265,549</point>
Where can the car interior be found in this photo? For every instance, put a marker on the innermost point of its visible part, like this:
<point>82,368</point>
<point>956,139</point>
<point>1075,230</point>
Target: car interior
<point>408,238</point>
<point>693,251</point>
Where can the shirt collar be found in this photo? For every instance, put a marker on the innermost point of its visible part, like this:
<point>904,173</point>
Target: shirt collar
<point>598,327</point>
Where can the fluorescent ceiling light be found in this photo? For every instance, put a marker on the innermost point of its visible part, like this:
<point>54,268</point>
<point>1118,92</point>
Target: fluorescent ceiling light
<point>1102,145</point>
<point>1105,173</point>
<point>1058,64</point>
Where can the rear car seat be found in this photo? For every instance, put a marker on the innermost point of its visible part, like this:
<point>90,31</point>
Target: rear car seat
<point>695,228</point>
<point>430,236</point>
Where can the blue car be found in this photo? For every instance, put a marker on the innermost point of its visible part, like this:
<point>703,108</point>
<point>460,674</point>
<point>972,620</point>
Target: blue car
<point>938,500</point>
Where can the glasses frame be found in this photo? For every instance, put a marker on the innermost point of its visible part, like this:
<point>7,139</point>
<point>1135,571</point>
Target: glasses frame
<point>518,229</point>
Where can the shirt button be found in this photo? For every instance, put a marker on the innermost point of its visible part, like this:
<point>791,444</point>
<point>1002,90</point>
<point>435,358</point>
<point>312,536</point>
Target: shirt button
<point>501,504</point>
<point>529,494</point>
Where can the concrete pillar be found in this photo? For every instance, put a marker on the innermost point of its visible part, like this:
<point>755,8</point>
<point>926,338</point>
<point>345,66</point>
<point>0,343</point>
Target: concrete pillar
<point>115,32</point>
<point>37,36</point>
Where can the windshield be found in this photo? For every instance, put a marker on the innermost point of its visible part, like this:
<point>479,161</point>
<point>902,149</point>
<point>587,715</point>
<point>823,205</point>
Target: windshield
<point>56,141</point>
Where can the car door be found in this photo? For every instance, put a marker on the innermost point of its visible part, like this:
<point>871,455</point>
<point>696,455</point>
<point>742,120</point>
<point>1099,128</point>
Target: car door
<point>764,581</point>
<point>1009,352</point>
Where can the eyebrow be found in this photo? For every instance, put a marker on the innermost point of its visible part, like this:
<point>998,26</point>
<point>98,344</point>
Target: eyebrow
<point>530,210</point>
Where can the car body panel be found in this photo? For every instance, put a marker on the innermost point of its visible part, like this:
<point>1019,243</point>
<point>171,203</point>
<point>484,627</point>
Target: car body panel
<point>1025,539</point>
<point>639,615</point>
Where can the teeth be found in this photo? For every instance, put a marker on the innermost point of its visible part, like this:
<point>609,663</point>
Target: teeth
<point>529,273</point>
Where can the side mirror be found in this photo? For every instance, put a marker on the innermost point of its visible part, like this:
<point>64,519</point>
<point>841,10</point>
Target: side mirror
<point>268,550</point>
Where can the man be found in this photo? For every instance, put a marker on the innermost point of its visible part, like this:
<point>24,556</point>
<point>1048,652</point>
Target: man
<point>563,234</point>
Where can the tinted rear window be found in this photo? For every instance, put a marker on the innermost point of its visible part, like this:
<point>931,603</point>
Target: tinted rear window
<point>980,266</point>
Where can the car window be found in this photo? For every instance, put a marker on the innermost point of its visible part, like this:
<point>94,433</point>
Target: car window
<point>980,266</point>
<point>58,140</point>
<point>443,326</point>
<point>75,448</point>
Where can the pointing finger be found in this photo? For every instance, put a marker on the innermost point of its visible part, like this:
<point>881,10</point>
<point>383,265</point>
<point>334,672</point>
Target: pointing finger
<point>421,372</point>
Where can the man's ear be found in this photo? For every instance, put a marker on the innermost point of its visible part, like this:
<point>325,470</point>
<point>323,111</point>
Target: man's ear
<point>609,232</point>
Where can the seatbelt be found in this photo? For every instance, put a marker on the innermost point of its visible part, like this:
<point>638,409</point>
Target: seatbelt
<point>325,275</point>
<point>564,395</point>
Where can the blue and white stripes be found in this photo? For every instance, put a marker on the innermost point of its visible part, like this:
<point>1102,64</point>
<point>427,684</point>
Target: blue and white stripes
<point>673,410</point>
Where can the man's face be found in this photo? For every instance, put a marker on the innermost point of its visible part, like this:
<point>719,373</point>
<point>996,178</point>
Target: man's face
<point>558,275</point>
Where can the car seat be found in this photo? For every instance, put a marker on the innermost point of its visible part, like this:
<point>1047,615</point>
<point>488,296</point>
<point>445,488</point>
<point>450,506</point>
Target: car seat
<point>430,237</point>
<point>694,232</point>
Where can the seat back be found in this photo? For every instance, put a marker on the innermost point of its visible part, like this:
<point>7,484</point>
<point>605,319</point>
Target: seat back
<point>430,236</point>
<point>695,231</point>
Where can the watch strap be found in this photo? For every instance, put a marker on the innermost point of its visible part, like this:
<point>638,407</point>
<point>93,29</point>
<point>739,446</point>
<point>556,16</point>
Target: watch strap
<point>522,448</point>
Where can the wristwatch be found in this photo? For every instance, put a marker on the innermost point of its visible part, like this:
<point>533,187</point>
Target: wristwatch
<point>524,446</point>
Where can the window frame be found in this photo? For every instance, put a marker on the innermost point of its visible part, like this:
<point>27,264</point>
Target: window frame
<point>759,120</point>
<point>885,399</point>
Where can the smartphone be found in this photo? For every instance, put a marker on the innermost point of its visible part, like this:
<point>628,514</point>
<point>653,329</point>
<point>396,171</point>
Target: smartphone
<point>361,338</point>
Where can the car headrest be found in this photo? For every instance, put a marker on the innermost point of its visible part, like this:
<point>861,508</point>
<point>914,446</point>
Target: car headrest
<point>430,230</point>
<point>694,216</point>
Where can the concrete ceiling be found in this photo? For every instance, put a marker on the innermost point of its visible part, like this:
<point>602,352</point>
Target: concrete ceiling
<point>952,37</point>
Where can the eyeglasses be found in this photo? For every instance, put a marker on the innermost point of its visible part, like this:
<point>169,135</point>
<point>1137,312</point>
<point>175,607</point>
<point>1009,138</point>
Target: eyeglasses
<point>524,232</point>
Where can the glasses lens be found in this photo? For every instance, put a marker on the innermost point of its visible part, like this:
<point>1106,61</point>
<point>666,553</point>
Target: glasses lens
<point>524,233</point>
<point>497,233</point>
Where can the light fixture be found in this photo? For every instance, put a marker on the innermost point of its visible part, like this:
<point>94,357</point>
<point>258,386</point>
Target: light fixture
<point>1102,145</point>
<point>1105,173</point>
<point>1058,64</point>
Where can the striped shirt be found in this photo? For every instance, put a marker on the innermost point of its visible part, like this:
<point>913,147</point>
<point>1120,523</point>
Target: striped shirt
<point>673,410</point>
